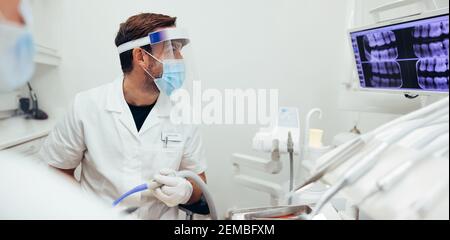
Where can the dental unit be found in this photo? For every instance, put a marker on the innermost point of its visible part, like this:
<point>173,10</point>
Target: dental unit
<point>282,138</point>
<point>378,162</point>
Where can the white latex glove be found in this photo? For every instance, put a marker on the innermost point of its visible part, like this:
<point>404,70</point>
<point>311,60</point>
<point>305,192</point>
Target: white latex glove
<point>170,189</point>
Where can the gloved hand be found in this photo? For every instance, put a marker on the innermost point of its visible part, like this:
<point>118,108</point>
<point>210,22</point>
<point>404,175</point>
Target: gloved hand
<point>170,189</point>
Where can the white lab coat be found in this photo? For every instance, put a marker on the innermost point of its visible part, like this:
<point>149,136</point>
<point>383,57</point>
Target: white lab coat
<point>99,133</point>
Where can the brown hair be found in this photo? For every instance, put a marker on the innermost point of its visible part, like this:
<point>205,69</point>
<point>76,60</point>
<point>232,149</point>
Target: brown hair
<point>136,27</point>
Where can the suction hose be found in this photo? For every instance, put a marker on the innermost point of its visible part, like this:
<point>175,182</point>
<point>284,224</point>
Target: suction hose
<point>204,188</point>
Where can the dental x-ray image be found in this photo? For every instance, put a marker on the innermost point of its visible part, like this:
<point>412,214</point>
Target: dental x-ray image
<point>381,51</point>
<point>433,73</point>
<point>385,75</point>
<point>381,46</point>
<point>405,56</point>
<point>431,40</point>
<point>431,47</point>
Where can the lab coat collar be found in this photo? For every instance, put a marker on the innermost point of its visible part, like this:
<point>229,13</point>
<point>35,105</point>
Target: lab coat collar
<point>116,100</point>
<point>115,96</point>
<point>116,103</point>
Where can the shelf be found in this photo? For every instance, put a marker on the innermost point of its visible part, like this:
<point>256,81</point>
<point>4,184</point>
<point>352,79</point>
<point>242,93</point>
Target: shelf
<point>47,56</point>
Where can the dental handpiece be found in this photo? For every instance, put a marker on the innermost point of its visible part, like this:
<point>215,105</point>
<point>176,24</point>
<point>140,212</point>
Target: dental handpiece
<point>151,185</point>
<point>343,153</point>
<point>335,159</point>
<point>367,163</point>
<point>388,181</point>
<point>432,135</point>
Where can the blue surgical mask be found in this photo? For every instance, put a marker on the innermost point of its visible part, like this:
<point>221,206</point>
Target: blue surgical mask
<point>173,76</point>
<point>16,55</point>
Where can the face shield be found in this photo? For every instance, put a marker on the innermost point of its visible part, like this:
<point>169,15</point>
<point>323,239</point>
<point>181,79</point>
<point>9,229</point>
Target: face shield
<point>171,66</point>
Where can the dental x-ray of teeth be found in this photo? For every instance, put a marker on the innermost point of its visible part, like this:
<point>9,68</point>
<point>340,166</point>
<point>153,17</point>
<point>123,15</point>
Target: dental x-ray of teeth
<point>431,40</point>
<point>385,74</point>
<point>433,73</point>
<point>431,47</point>
<point>405,56</point>
<point>381,46</point>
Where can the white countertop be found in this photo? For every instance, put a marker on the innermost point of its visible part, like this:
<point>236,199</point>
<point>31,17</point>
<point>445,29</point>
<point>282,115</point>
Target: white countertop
<point>18,130</point>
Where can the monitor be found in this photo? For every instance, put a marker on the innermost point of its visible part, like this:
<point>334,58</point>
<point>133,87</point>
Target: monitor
<point>408,55</point>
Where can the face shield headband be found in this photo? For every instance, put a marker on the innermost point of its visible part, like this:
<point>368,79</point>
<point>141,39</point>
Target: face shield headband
<point>155,38</point>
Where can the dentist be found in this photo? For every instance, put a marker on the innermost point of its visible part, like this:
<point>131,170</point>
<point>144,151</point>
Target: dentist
<point>121,133</point>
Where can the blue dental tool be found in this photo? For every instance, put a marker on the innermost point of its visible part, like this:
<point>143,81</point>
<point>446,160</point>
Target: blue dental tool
<point>137,189</point>
<point>140,188</point>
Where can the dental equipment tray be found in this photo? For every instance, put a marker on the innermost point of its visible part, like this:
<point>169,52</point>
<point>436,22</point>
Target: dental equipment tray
<point>272,213</point>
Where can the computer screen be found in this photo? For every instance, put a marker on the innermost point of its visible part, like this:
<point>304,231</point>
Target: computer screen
<point>408,56</point>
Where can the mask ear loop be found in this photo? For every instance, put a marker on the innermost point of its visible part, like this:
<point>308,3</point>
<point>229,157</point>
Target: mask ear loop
<point>157,61</point>
<point>151,55</point>
<point>145,70</point>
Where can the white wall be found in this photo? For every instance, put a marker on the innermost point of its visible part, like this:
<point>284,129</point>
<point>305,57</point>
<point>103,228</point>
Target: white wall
<point>299,47</point>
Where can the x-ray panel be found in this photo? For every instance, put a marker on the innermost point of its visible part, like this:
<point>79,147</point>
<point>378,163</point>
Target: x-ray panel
<point>409,56</point>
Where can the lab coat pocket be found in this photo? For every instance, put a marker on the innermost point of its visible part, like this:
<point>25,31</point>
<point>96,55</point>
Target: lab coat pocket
<point>167,157</point>
<point>171,156</point>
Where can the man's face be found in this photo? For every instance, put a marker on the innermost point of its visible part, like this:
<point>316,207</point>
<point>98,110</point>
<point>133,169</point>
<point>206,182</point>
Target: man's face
<point>169,50</point>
